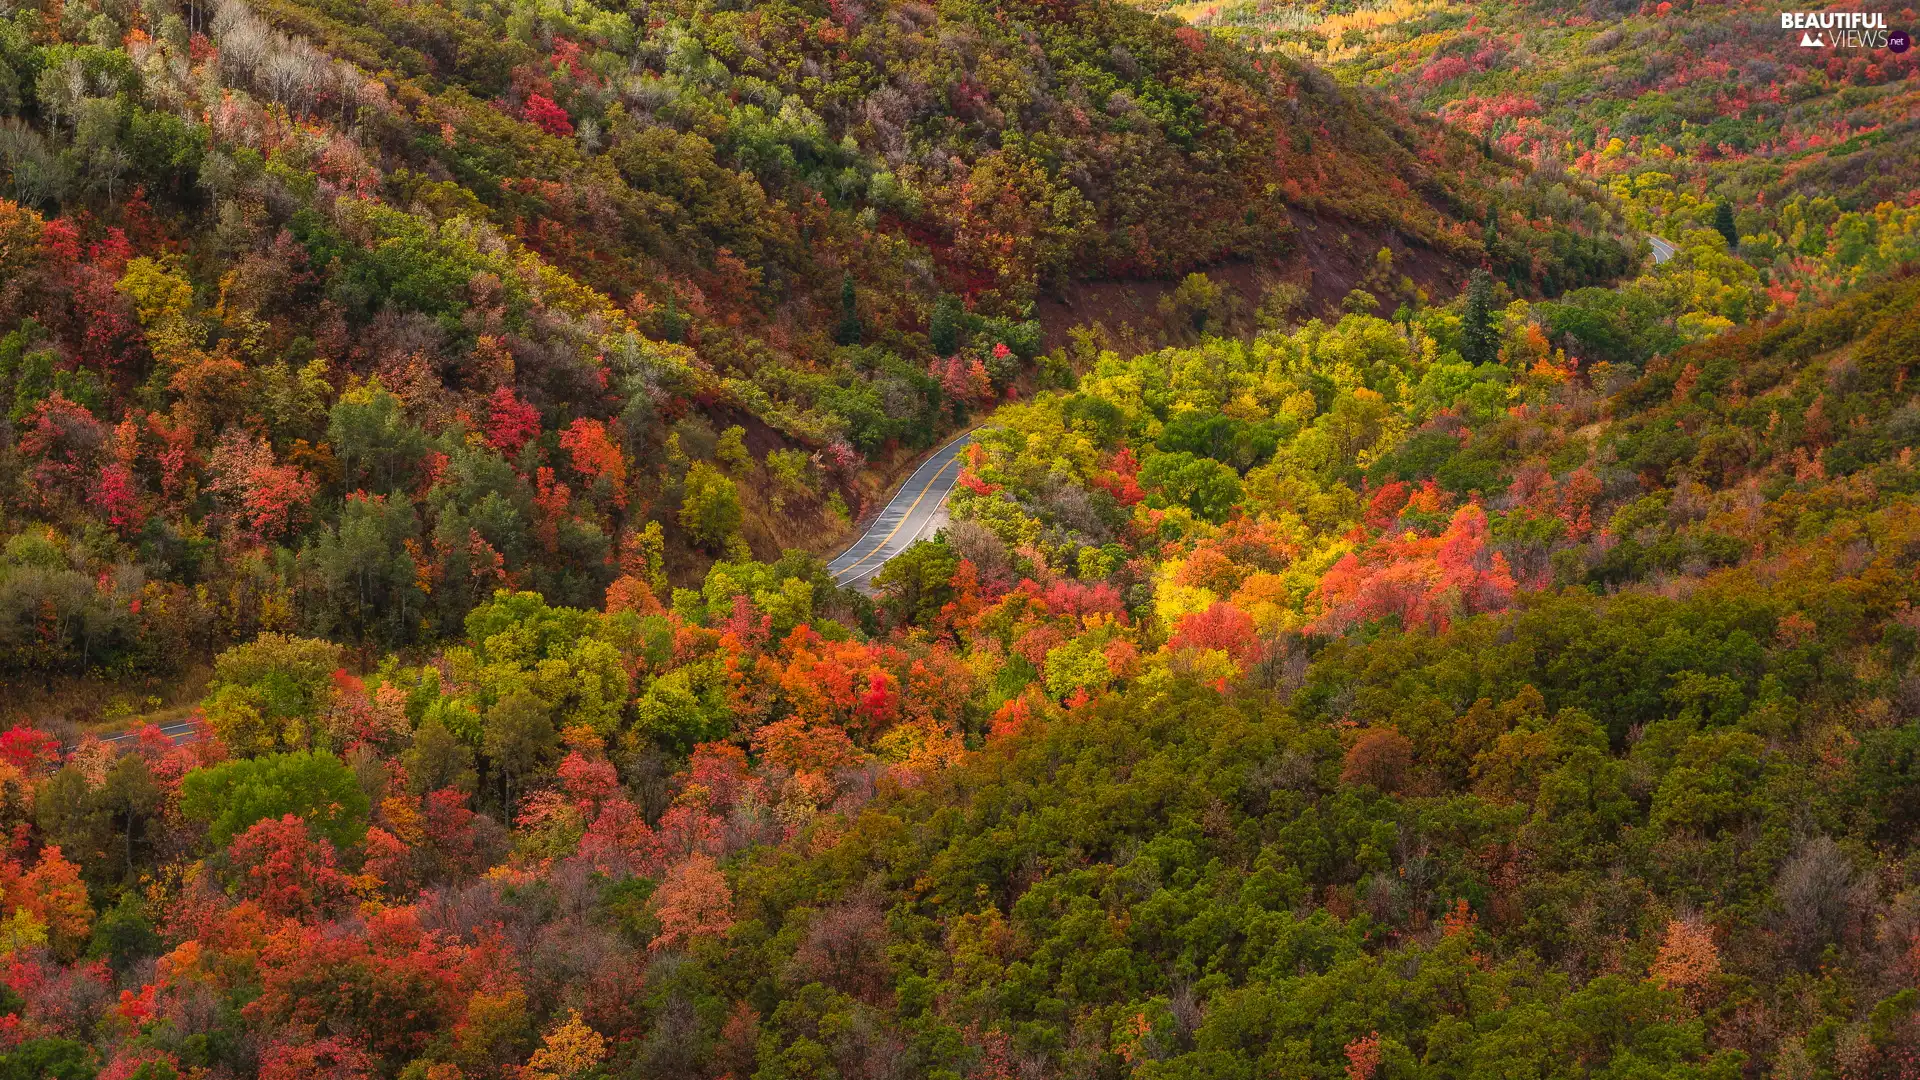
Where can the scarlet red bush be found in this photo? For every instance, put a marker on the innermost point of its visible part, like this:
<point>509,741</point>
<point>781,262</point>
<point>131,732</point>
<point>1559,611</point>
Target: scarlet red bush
<point>549,117</point>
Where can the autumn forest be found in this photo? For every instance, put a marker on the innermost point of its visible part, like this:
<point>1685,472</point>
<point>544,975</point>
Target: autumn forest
<point>1429,593</point>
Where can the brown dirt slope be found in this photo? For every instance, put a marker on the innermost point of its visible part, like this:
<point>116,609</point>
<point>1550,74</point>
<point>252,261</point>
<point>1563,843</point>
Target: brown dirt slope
<point>1330,258</point>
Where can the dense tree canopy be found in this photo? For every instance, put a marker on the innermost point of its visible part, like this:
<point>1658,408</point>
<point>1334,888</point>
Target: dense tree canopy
<point>441,411</point>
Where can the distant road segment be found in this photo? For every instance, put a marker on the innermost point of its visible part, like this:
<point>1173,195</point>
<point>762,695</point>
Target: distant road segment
<point>178,731</point>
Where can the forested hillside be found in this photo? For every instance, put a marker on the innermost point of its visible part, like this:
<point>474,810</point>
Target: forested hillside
<point>1442,658</point>
<point>1367,700</point>
<point>337,318</point>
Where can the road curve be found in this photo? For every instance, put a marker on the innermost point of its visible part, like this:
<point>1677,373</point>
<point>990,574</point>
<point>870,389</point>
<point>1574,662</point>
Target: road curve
<point>1662,249</point>
<point>908,517</point>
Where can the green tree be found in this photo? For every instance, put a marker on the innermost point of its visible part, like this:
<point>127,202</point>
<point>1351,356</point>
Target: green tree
<point>49,1059</point>
<point>683,708</point>
<point>650,554</point>
<point>710,507</point>
<point>312,785</point>
<point>917,583</point>
<point>265,694</point>
<point>71,816</point>
<point>793,475</point>
<point>378,448</point>
<point>1279,302</point>
<point>561,656</point>
<point>674,322</point>
<point>1479,337</point>
<point>849,332</point>
<point>1077,665</point>
<point>357,579</point>
<point>131,797</point>
<point>411,267</point>
<point>124,934</point>
<point>732,452</point>
<point>1207,487</point>
<point>1195,305</point>
<point>943,328</point>
<point>438,759</point>
<point>519,740</point>
<point>1724,225</point>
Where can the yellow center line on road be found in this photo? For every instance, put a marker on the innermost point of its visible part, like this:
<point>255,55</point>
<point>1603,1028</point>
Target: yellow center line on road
<point>887,539</point>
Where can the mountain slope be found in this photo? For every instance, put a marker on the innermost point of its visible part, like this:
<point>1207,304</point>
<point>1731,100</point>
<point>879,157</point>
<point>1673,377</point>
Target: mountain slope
<point>1370,699</point>
<point>353,312</point>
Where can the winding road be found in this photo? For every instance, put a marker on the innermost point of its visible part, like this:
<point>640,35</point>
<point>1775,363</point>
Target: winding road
<point>913,513</point>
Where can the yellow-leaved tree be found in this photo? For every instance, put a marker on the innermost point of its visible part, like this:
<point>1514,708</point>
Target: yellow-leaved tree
<point>571,1051</point>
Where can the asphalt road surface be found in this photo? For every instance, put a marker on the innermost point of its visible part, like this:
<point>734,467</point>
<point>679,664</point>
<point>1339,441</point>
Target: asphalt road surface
<point>910,516</point>
<point>1662,249</point>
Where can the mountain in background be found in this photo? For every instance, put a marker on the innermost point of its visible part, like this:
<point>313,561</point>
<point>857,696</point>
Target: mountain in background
<point>1696,118</point>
